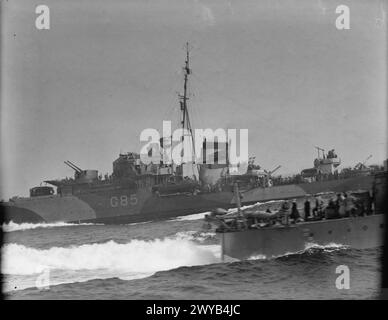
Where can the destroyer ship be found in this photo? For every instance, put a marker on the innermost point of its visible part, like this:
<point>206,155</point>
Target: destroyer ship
<point>137,192</point>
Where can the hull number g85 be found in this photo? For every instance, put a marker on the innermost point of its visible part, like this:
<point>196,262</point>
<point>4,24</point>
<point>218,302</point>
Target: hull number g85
<point>123,201</point>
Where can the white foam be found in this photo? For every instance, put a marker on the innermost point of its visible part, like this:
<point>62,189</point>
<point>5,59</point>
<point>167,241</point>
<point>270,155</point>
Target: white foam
<point>137,255</point>
<point>195,235</point>
<point>136,259</point>
<point>328,247</point>
<point>309,247</point>
<point>258,257</point>
<point>191,217</point>
<point>12,226</point>
<point>138,223</point>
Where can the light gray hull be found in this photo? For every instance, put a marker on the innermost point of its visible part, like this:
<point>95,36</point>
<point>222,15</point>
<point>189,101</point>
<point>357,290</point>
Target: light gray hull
<point>356,232</point>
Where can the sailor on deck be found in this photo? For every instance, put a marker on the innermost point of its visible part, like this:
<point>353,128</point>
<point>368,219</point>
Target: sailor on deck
<point>307,209</point>
<point>318,206</point>
<point>294,212</point>
<point>331,211</point>
<point>350,207</point>
<point>341,205</point>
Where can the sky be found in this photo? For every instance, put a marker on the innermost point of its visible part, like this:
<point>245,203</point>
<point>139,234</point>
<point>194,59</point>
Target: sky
<point>105,70</point>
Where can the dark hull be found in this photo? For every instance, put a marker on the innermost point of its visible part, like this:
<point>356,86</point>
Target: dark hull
<point>358,232</point>
<point>126,206</point>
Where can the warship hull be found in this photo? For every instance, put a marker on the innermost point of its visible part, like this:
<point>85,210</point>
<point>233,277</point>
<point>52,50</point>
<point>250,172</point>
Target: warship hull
<point>356,232</point>
<point>121,205</point>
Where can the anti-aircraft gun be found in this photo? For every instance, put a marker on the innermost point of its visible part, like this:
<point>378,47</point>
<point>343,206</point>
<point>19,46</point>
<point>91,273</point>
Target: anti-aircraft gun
<point>83,176</point>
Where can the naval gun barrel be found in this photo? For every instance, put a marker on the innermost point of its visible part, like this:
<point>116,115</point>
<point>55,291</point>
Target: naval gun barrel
<point>276,169</point>
<point>73,166</point>
<point>370,156</point>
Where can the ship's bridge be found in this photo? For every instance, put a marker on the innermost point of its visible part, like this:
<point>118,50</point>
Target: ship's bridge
<point>323,164</point>
<point>326,164</point>
<point>335,162</point>
<point>126,165</point>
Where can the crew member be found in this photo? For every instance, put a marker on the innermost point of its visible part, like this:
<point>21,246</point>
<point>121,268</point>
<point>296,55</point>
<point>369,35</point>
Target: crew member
<point>349,205</point>
<point>317,207</point>
<point>294,212</point>
<point>330,211</point>
<point>307,209</point>
<point>341,205</point>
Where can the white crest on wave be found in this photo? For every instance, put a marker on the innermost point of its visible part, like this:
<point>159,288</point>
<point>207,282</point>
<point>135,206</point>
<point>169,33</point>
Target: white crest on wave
<point>12,226</point>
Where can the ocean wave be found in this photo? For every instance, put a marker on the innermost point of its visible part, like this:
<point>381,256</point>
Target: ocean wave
<point>257,257</point>
<point>12,226</point>
<point>331,247</point>
<point>135,256</point>
<point>310,248</point>
<point>138,223</point>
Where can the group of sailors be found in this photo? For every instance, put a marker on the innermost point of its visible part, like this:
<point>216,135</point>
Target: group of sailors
<point>340,206</point>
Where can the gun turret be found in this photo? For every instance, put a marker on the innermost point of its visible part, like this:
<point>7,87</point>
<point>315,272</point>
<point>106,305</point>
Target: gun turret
<point>82,176</point>
<point>73,166</point>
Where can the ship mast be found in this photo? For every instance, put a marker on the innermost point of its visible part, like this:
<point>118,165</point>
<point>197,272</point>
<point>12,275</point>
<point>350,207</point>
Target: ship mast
<point>323,152</point>
<point>183,102</point>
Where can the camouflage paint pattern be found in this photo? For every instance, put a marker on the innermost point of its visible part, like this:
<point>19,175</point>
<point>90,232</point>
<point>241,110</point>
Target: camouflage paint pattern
<point>125,205</point>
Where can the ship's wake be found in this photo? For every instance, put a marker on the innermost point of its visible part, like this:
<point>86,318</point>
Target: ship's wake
<point>191,217</point>
<point>196,236</point>
<point>22,265</point>
<point>12,226</point>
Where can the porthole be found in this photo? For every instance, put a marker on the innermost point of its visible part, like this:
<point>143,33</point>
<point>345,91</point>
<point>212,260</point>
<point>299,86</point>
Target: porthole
<point>311,234</point>
<point>330,232</point>
<point>365,228</point>
<point>349,230</point>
